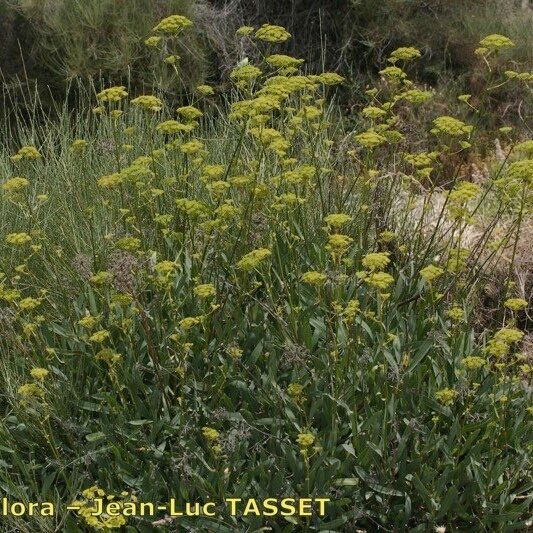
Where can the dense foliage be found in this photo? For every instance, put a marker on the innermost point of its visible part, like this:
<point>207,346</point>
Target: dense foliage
<point>57,41</point>
<point>244,297</point>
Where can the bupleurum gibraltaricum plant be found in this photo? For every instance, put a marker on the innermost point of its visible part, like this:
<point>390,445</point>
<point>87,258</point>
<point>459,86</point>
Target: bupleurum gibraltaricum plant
<point>242,296</point>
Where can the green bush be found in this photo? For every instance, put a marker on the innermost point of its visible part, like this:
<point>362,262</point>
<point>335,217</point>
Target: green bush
<point>244,297</point>
<point>103,39</point>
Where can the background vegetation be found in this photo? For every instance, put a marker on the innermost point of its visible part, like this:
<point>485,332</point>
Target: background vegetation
<point>57,42</point>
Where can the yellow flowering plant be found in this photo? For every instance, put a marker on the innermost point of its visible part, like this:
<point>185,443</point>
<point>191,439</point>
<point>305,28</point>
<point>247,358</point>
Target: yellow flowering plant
<point>244,288</point>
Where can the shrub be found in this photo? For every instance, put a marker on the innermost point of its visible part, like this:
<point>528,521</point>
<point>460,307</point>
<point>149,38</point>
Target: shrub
<point>89,39</point>
<point>244,298</point>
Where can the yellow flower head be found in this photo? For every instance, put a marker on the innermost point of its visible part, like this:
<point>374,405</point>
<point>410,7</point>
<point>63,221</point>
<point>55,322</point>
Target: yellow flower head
<point>192,147</point>
<point>272,34</point>
<point>295,390</point>
<point>189,112</point>
<point>446,396</point>
<point>39,373</point>
<point>245,30</point>
<point>171,59</point>
<point>88,321</point>
<point>305,439</point>
<point>189,322</point>
<point>496,42</point>
<point>314,278</point>
<point>165,268</point>
<point>404,53</point>
<point>393,73</point>
<point>521,171</point>
<point>205,90</point>
<point>148,102</point>
<point>252,260</point>
<point>431,272</point>
<point>351,310</point>
<point>172,25</point>
<point>283,61</point>
<point>508,335</point>
<point>109,356</point>
<point>450,126</point>
<point>235,352</point>
<point>329,78</point>
<point>338,244</point>
<point>525,148</point>
<point>337,220</point>
<point>79,145</point>
<point>245,73</point>
<point>27,304</point>
<point>18,238</point>
<point>110,181</point>
<point>473,362</point>
<point>153,41</point>
<point>100,336</point>
<point>376,260</point>
<point>416,96</point>
<point>515,304</point>
<point>210,434</point>
<point>171,127</point>
<point>26,152</point>
<point>370,139</point>
<point>14,185</point>
<point>205,290</point>
<point>373,112</point>
<point>379,280</point>
<point>456,314</point>
<point>193,208</point>
<point>29,390</point>
<point>130,244</point>
<point>112,94</point>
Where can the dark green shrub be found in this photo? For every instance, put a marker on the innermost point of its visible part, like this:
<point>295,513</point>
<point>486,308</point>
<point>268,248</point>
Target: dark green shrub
<point>100,38</point>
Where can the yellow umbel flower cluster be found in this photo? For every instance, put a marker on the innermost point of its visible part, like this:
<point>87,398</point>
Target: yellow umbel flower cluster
<point>112,94</point>
<point>148,102</point>
<point>252,260</point>
<point>272,34</point>
<point>189,112</point>
<point>213,438</point>
<point>172,127</point>
<point>172,25</point>
<point>305,439</point>
<point>521,171</point>
<point>446,396</point>
<point>18,238</point>
<point>404,53</point>
<point>338,244</point>
<point>245,30</point>
<point>15,185</point>
<point>370,139</point>
<point>295,391</point>
<point>515,304</point>
<point>459,197</point>
<point>337,220</point>
<point>376,260</point>
<point>473,362</point>
<point>496,42</point>
<point>431,273</point>
<point>26,152</point>
<point>102,522</point>
<point>502,340</point>
<point>447,125</point>
<point>206,290</point>
<point>314,278</point>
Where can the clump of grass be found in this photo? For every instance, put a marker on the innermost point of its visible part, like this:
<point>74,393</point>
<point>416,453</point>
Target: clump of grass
<point>239,297</point>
